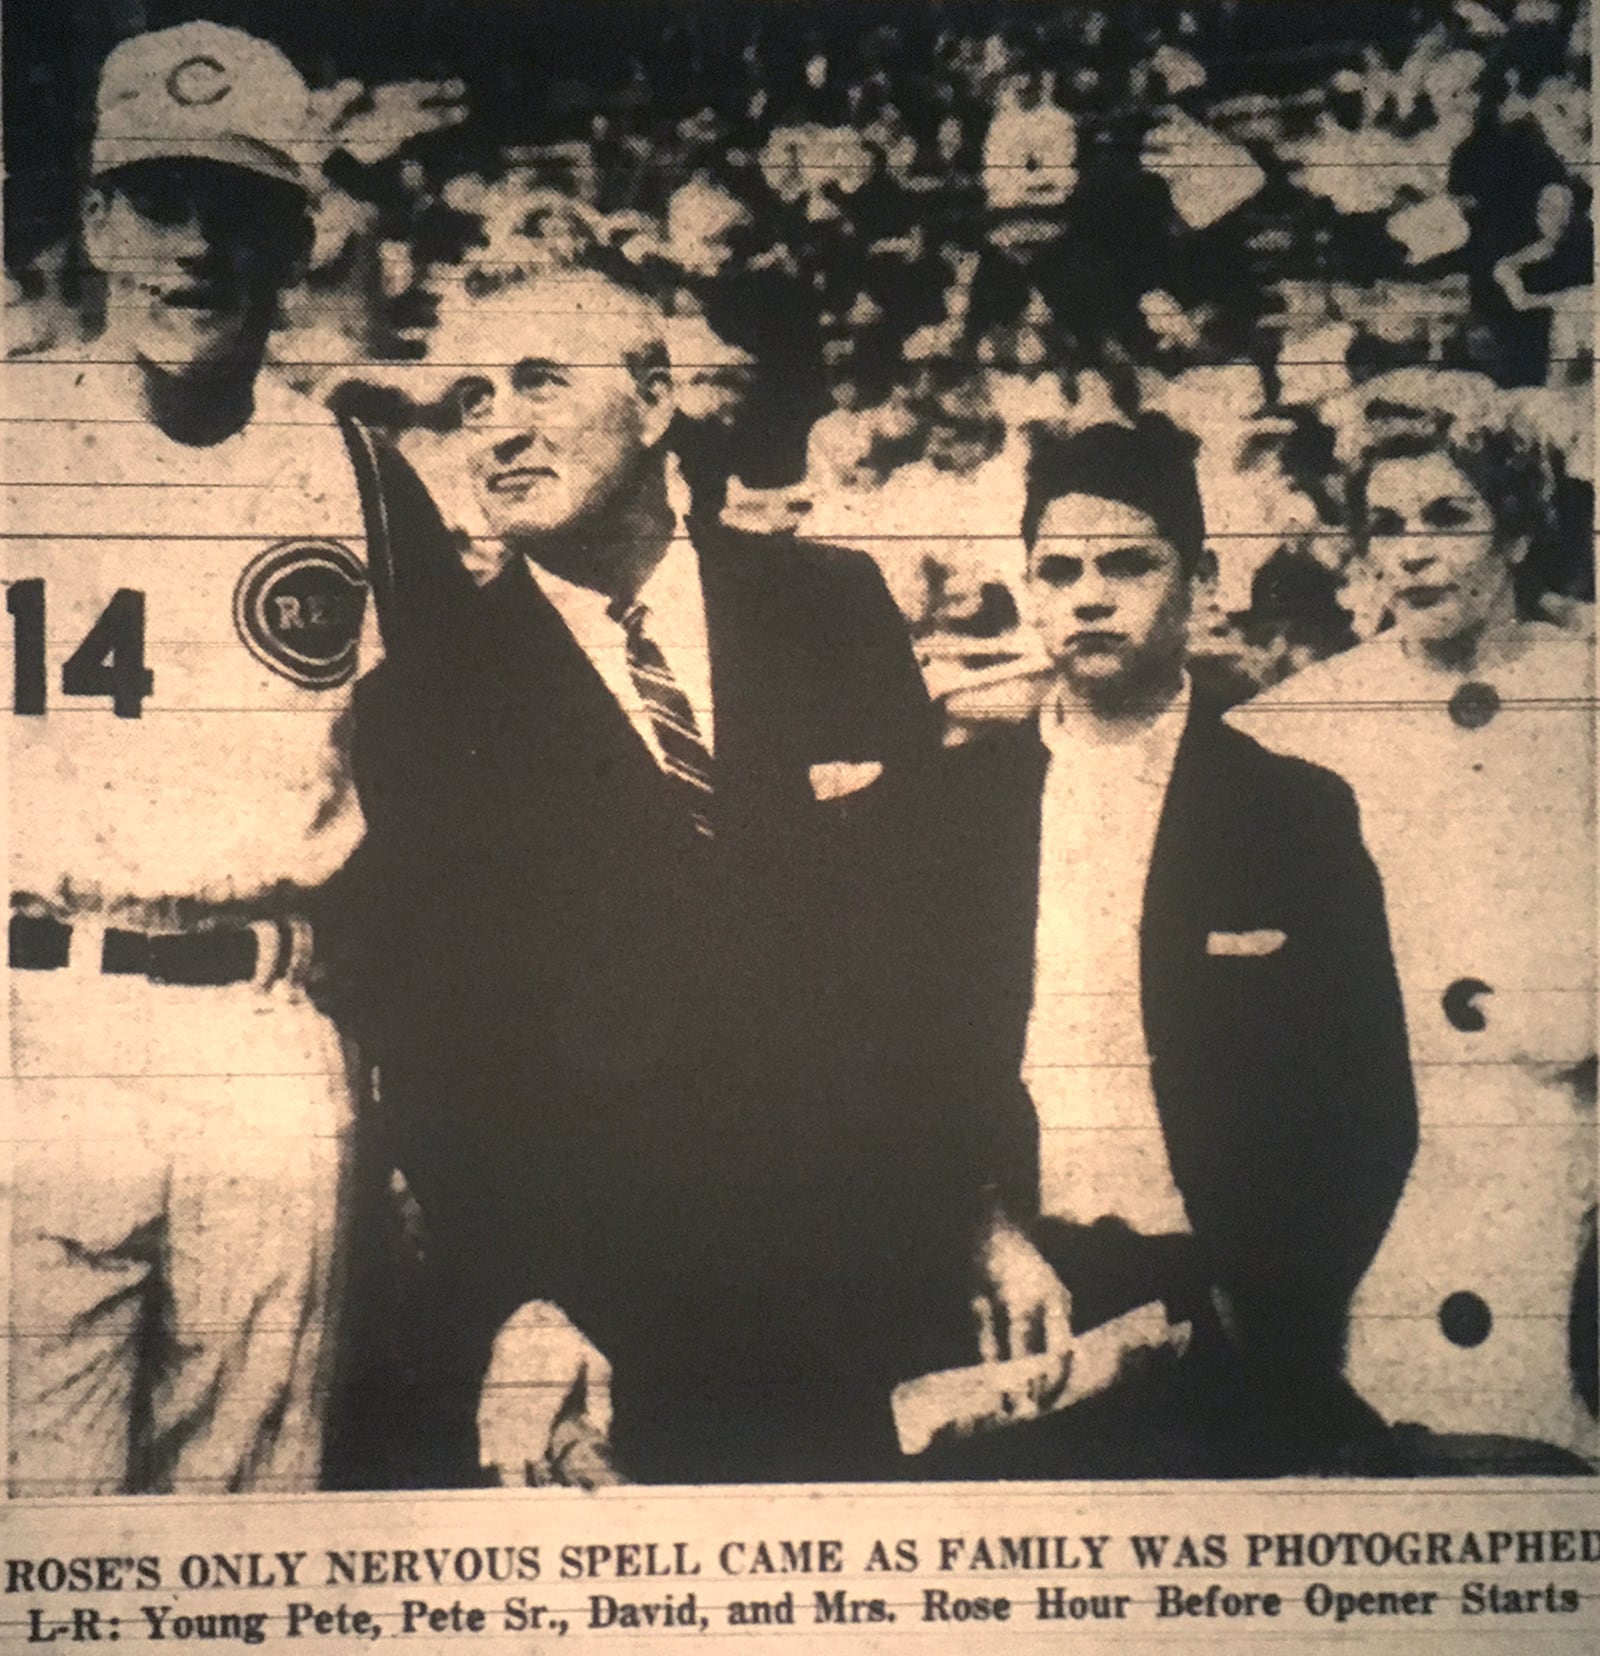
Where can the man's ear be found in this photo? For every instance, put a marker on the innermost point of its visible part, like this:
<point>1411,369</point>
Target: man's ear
<point>302,243</point>
<point>1026,591</point>
<point>657,398</point>
<point>94,214</point>
<point>1517,549</point>
<point>288,252</point>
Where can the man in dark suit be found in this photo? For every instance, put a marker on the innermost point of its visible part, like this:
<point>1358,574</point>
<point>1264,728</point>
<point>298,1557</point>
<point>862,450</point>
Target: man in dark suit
<point>1175,942</point>
<point>649,1013</point>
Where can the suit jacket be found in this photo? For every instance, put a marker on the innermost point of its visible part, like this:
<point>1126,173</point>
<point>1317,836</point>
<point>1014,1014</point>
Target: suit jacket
<point>675,1085</point>
<point>1281,1077</point>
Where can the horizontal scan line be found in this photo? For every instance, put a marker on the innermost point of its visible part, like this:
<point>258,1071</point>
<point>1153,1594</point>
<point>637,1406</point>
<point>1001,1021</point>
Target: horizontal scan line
<point>1097,1066</point>
<point>827,162</point>
<point>451,276</point>
<point>318,706</point>
<point>1011,537</point>
<point>286,364</point>
<point>1526,704</point>
<point>1433,1131</point>
<point>315,707</point>
<point>23,1077</point>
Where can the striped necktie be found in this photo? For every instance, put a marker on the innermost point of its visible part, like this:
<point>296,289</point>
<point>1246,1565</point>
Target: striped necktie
<point>683,752</point>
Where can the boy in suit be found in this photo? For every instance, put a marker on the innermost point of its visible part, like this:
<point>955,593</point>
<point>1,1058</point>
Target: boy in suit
<point>1176,949</point>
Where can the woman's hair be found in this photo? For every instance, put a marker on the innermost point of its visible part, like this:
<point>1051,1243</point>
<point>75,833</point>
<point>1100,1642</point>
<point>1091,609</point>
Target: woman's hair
<point>1520,479</point>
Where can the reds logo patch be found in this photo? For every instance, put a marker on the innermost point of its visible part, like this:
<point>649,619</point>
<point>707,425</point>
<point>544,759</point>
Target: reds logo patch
<point>298,608</point>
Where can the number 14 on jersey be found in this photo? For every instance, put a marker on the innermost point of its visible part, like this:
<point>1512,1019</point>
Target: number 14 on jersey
<point>109,661</point>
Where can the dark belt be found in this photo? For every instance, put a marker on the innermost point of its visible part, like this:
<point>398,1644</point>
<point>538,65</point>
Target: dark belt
<point>214,956</point>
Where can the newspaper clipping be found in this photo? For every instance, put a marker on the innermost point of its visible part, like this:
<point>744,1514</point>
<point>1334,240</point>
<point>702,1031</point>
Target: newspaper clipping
<point>801,824</point>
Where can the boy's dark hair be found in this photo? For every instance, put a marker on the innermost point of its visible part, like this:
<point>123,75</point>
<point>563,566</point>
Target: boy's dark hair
<point>1149,465</point>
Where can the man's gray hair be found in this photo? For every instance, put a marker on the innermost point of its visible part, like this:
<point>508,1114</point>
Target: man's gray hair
<point>562,244</point>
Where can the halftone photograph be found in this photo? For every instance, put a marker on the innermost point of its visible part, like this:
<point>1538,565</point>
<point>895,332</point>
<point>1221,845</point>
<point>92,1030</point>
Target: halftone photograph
<point>782,743</point>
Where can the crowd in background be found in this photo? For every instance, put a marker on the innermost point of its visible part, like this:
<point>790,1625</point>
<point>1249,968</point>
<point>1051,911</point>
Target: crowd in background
<point>892,243</point>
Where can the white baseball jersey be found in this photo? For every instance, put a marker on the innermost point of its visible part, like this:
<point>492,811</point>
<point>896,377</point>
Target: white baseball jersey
<point>184,626</point>
<point>1477,802</point>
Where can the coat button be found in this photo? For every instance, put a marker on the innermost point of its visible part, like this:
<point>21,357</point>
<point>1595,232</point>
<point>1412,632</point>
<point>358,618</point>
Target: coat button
<point>1474,704</point>
<point>1460,1003</point>
<point>1465,1319</point>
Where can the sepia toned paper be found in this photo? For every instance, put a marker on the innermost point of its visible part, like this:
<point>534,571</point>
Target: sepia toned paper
<point>801,815</point>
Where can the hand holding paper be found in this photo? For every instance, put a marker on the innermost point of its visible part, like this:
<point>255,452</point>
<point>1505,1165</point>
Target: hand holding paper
<point>1021,1306</point>
<point>960,1403</point>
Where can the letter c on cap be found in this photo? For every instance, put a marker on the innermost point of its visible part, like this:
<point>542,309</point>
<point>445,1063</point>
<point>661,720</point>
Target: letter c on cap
<point>198,81</point>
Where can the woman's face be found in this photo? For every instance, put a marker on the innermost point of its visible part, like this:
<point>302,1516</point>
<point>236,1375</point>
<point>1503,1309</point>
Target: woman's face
<point>1433,541</point>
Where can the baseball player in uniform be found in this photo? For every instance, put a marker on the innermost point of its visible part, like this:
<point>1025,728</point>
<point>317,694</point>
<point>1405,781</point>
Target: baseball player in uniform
<point>1467,733</point>
<point>187,585</point>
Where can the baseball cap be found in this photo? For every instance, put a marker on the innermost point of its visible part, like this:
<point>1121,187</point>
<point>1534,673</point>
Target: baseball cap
<point>204,91</point>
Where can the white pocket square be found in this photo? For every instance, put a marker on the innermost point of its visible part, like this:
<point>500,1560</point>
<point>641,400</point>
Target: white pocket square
<point>1247,944</point>
<point>838,778</point>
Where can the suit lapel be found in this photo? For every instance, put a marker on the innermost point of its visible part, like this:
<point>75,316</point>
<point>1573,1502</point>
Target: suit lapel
<point>1001,813</point>
<point>1206,870</point>
<point>991,872</point>
<point>548,712</point>
<point>728,640</point>
<point>754,700</point>
<point>1182,846</point>
<point>545,661</point>
<point>1021,793</point>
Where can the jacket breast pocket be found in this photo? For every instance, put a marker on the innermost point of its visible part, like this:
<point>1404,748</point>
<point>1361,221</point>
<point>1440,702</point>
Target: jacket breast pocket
<point>1253,943</point>
<point>1245,983</point>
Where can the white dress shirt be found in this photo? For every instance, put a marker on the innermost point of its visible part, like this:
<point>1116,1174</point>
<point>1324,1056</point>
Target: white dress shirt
<point>675,624</point>
<point>1102,1149</point>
